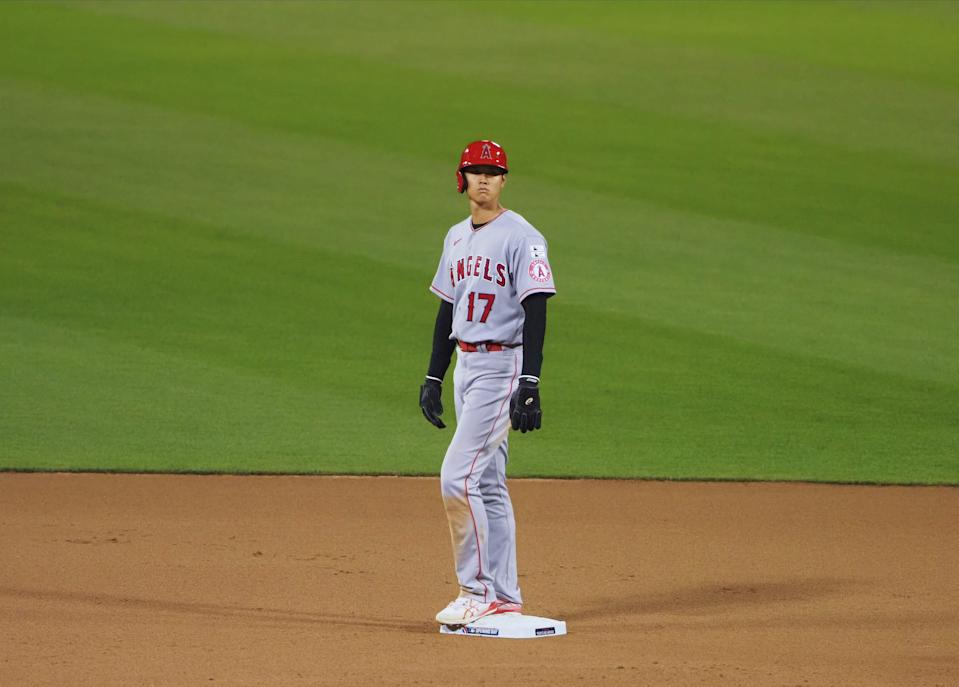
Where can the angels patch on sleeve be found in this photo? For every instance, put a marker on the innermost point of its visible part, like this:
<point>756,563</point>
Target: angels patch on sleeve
<point>539,271</point>
<point>532,270</point>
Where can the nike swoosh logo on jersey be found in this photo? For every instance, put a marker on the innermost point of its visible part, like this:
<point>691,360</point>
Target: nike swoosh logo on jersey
<point>457,241</point>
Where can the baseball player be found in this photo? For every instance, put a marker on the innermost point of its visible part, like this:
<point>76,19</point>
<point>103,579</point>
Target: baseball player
<point>493,281</point>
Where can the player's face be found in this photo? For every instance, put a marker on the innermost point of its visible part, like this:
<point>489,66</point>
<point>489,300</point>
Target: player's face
<point>484,187</point>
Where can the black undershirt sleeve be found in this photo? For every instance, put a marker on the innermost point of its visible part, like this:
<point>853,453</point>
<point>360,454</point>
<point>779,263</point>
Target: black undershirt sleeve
<point>534,332</point>
<point>442,344</point>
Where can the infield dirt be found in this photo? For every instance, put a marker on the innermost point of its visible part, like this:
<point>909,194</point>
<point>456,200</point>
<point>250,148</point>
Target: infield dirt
<point>188,580</point>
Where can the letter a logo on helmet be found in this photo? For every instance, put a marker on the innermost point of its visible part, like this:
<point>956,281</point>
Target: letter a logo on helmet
<point>485,153</point>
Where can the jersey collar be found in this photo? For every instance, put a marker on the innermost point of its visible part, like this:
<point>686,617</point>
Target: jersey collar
<point>470,220</point>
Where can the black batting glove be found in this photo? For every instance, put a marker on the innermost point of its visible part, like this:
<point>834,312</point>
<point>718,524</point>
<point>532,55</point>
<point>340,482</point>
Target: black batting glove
<point>431,402</point>
<point>524,410</point>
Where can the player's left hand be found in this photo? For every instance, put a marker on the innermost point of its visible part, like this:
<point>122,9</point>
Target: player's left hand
<point>524,410</point>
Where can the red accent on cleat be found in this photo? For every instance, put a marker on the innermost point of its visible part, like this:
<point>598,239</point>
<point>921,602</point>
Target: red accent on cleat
<point>508,607</point>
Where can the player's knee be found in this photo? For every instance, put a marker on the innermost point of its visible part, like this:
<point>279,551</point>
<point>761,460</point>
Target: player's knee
<point>451,485</point>
<point>456,481</point>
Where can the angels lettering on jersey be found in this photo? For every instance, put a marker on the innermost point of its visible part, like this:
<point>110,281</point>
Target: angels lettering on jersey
<point>478,266</point>
<point>487,272</point>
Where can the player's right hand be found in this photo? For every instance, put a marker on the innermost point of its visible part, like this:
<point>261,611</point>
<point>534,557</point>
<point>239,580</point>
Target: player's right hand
<point>431,402</point>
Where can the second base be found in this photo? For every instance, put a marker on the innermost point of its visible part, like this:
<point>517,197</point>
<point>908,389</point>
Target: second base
<point>509,626</point>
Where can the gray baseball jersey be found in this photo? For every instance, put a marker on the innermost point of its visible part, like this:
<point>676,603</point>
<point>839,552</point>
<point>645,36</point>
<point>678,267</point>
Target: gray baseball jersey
<point>486,273</point>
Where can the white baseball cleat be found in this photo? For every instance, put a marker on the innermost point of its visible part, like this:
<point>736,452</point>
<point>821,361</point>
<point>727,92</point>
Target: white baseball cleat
<point>465,610</point>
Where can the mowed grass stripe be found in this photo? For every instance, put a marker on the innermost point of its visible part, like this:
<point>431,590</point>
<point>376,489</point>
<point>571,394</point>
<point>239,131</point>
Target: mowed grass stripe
<point>312,190</point>
<point>739,63</point>
<point>222,369</point>
<point>167,282</point>
<point>701,162</point>
<point>862,306</point>
<point>205,336</point>
<point>859,305</point>
<point>698,402</point>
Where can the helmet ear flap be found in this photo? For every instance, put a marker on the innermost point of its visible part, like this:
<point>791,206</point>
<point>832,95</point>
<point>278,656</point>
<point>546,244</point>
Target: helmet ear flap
<point>460,181</point>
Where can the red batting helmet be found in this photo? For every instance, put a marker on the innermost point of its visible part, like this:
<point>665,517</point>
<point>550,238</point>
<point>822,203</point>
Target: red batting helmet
<point>480,154</point>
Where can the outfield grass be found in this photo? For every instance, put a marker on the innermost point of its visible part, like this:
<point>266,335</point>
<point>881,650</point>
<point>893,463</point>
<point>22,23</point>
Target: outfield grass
<point>218,222</point>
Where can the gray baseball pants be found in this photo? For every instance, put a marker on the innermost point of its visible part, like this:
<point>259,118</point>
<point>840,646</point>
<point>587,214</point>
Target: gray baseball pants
<point>473,476</point>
